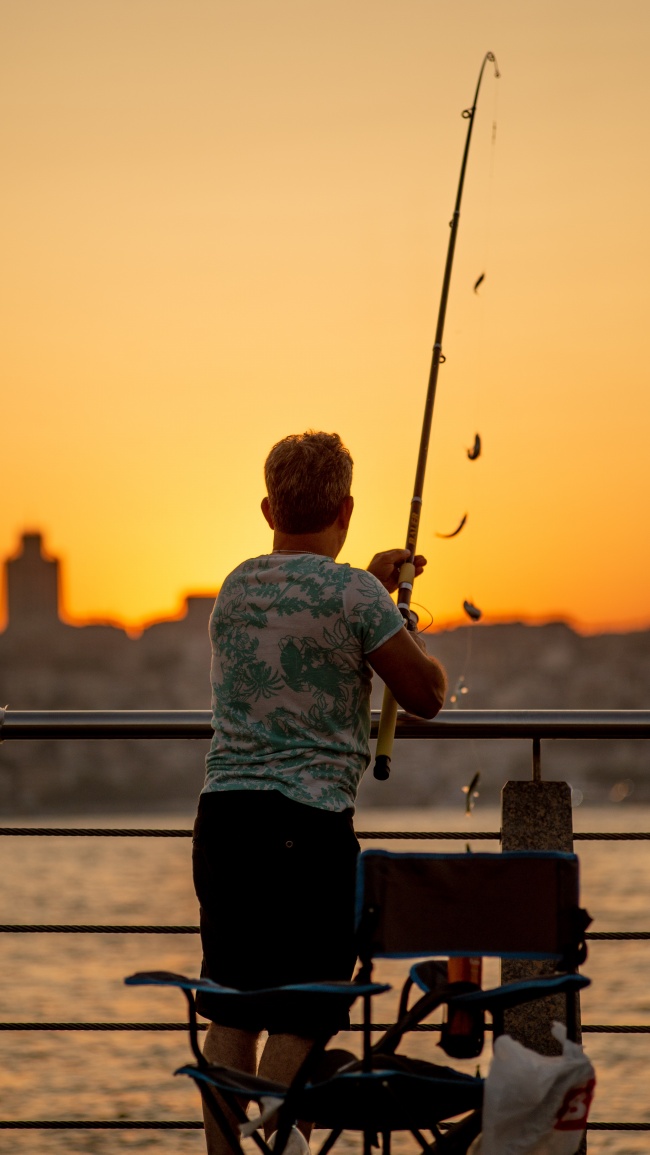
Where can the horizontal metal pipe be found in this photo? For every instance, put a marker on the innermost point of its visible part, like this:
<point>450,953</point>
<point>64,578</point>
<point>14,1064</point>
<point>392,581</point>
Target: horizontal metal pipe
<point>527,724</point>
<point>24,725</point>
<point>79,724</point>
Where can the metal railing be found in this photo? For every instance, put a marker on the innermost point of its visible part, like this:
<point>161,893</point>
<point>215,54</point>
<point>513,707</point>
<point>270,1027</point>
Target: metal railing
<point>70,725</point>
<point>535,724</point>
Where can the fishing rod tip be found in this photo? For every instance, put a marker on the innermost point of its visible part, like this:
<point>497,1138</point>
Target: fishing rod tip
<point>493,60</point>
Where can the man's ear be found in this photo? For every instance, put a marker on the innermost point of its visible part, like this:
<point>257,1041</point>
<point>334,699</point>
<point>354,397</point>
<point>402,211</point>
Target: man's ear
<point>266,510</point>
<point>345,511</point>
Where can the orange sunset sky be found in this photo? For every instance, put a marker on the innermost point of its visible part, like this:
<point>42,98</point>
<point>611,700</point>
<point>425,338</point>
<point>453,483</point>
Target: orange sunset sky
<point>226,220</point>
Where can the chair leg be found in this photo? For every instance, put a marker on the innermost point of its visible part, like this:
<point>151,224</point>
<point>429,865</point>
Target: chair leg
<point>287,1112</point>
<point>193,1028</point>
<point>213,1104</point>
<point>424,1144</point>
<point>330,1141</point>
<point>216,1111</point>
<point>498,1025</point>
<point>460,1136</point>
<point>455,1141</point>
<point>385,1142</point>
<point>571,1016</point>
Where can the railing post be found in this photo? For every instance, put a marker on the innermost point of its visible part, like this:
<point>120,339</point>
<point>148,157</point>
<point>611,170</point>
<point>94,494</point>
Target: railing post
<point>536,815</point>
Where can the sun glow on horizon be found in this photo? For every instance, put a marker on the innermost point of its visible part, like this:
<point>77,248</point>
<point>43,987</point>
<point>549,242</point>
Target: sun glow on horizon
<point>223,226</point>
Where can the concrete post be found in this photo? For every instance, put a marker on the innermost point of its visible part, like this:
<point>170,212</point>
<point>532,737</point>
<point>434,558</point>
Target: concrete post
<point>536,816</point>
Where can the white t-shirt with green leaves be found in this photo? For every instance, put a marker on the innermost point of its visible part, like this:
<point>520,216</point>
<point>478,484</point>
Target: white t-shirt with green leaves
<point>290,636</point>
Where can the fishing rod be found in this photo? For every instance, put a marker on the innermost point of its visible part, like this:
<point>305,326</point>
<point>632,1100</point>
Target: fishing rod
<point>388,719</point>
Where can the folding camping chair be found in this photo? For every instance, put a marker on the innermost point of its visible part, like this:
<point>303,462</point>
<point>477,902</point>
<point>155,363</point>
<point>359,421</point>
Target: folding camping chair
<point>423,906</point>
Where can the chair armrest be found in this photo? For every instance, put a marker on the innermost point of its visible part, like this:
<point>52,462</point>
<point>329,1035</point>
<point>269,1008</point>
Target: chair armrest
<point>514,994</point>
<point>231,1080</point>
<point>332,989</point>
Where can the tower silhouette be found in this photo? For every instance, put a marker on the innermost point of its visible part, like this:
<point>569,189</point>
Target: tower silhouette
<point>32,587</point>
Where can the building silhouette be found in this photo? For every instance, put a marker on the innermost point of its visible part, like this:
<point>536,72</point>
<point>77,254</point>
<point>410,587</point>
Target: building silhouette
<point>32,582</point>
<point>48,664</point>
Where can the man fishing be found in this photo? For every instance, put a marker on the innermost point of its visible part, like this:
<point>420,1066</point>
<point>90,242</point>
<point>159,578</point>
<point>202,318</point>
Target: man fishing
<point>295,637</point>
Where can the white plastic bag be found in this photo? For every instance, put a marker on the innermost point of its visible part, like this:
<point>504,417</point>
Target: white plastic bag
<point>535,1104</point>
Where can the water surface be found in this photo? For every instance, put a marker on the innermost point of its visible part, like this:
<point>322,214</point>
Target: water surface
<point>79,978</point>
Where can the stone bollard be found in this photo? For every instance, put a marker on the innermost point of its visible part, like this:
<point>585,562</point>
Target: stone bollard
<point>536,816</point>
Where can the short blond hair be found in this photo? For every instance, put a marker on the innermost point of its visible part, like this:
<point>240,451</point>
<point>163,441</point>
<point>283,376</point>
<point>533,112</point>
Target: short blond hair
<point>307,477</point>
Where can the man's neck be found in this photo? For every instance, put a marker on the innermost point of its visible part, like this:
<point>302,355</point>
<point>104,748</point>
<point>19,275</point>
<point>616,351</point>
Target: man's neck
<point>327,543</point>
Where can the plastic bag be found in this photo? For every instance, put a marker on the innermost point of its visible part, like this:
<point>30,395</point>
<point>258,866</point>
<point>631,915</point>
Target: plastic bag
<point>535,1104</point>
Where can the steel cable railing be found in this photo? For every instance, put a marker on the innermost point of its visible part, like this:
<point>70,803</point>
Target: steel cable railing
<point>135,928</point>
<point>105,832</point>
<point>590,1029</point>
<point>191,1125</point>
<point>192,724</point>
<point>387,835</point>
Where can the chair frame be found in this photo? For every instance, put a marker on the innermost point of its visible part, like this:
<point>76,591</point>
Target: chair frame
<point>379,1068</point>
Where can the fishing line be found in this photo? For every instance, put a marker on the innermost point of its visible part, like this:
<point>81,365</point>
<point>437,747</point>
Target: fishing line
<point>478,394</point>
<point>482,285</point>
<point>423,629</point>
<point>455,701</point>
<point>493,153</point>
<point>461,688</point>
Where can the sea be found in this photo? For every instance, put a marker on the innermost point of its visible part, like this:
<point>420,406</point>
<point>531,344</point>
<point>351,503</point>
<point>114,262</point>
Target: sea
<point>80,1075</point>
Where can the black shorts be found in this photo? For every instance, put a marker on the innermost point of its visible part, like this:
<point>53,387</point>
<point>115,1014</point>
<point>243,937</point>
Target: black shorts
<point>275,881</point>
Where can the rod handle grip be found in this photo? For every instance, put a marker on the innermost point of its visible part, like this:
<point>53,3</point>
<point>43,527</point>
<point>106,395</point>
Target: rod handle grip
<point>385,736</point>
<point>406,573</point>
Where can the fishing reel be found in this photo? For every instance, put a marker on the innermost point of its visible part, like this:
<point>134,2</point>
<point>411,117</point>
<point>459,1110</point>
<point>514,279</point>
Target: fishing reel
<point>412,622</point>
<point>411,619</point>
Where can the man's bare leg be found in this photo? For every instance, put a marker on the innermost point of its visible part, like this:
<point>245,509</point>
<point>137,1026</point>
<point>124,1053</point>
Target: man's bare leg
<point>281,1059</point>
<point>227,1047</point>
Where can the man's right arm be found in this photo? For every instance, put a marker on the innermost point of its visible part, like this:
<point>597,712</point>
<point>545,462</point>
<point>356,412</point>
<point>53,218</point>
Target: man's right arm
<point>418,682</point>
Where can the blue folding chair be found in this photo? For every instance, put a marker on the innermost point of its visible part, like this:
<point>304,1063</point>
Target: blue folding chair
<point>423,906</point>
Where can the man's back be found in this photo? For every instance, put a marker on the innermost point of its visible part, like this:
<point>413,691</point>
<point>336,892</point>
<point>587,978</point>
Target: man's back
<point>290,636</point>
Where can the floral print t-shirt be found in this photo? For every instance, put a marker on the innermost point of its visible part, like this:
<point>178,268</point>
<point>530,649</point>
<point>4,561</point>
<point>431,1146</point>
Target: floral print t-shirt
<point>290,635</point>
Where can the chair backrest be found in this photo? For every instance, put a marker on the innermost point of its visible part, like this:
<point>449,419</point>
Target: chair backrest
<point>512,905</point>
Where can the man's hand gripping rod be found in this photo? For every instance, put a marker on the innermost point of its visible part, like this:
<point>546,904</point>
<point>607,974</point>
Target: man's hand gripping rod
<point>388,720</point>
